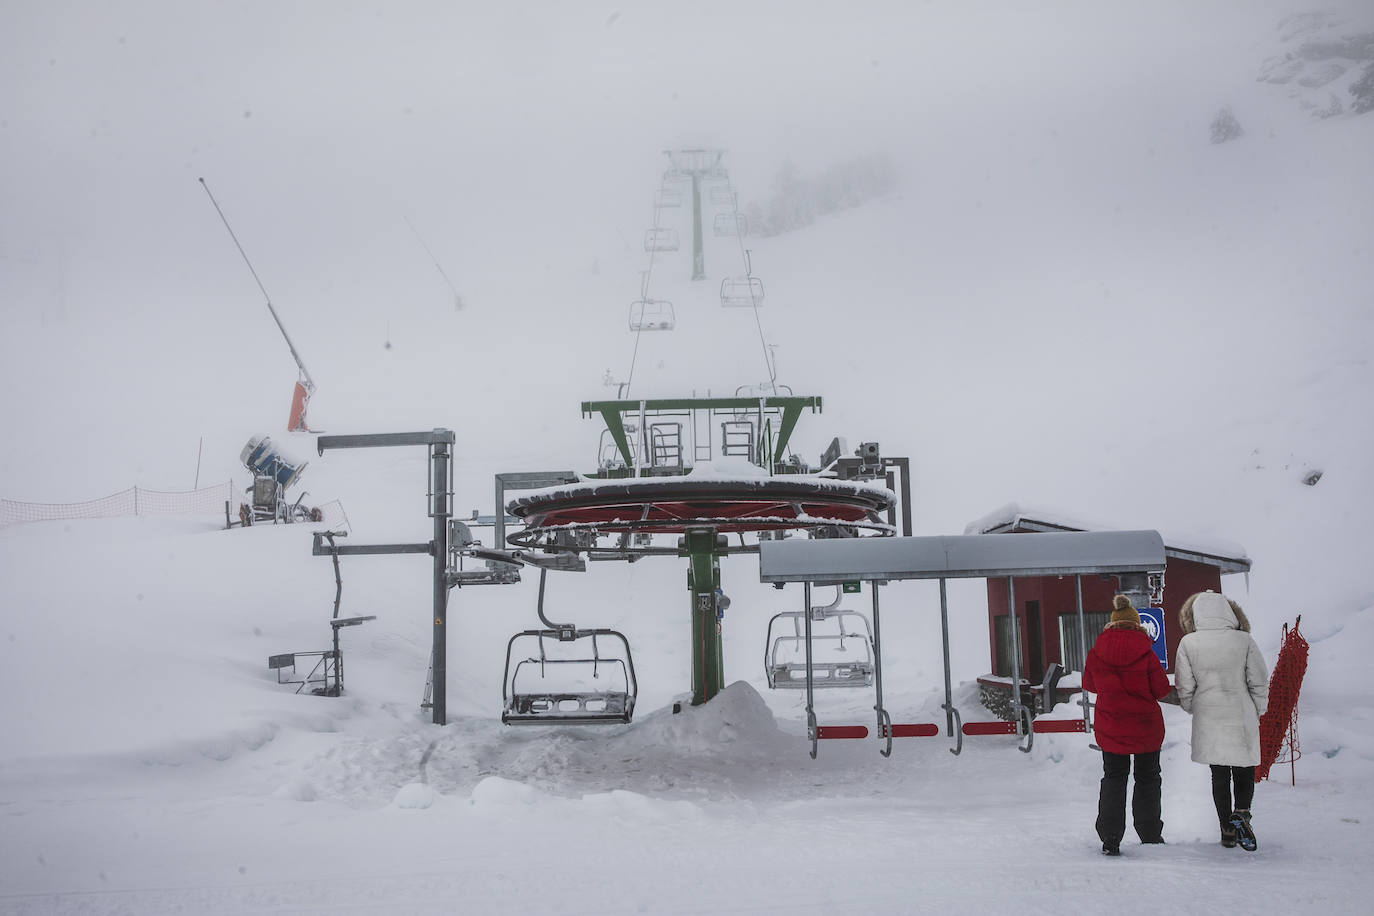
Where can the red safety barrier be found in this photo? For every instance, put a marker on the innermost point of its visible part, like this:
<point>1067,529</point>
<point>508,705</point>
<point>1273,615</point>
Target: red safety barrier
<point>841,731</point>
<point>915,730</point>
<point>989,728</point>
<point>1051,726</point>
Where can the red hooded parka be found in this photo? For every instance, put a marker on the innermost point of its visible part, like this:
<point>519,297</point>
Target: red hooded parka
<point>1124,672</point>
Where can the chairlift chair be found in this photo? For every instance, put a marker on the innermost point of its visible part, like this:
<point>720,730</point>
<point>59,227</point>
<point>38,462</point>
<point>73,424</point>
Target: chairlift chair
<point>842,657</point>
<point>741,292</point>
<point>723,196</point>
<point>660,240</point>
<point>608,455</point>
<point>566,677</point>
<point>730,225</point>
<point>652,315</point>
<point>666,198</point>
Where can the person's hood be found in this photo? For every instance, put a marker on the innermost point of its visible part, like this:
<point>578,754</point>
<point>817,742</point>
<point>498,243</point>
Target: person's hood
<point>1121,647</point>
<point>1212,611</point>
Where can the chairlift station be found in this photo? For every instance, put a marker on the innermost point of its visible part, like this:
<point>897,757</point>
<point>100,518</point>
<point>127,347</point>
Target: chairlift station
<point>695,479</point>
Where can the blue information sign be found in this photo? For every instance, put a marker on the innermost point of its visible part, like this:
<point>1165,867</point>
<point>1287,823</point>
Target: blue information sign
<point>1152,619</point>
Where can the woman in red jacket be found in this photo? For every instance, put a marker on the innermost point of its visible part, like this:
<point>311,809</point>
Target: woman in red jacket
<point>1129,681</point>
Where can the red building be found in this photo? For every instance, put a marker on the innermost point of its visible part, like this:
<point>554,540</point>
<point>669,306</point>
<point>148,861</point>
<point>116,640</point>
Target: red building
<point>1047,606</point>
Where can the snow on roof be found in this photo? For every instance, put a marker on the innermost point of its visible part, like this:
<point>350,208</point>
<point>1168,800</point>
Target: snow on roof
<point>1229,556</point>
<point>723,473</point>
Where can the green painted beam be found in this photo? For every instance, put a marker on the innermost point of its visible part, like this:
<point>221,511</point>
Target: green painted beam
<point>700,546</point>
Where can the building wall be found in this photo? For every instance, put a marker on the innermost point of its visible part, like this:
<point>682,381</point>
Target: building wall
<point>1055,596</point>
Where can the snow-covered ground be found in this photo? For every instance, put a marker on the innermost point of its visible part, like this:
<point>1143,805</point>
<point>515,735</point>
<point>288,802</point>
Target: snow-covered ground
<point>1073,301</point>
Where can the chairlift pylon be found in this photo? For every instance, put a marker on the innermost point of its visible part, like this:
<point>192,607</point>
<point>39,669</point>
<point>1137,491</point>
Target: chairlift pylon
<point>652,315</point>
<point>741,292</point>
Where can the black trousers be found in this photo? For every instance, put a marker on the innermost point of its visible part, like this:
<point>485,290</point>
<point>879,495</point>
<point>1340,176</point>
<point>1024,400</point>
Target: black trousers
<point>1145,798</point>
<point>1222,777</point>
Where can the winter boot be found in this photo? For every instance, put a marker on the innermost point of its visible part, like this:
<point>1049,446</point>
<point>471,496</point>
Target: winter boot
<point>1111,849</point>
<point>1228,835</point>
<point>1240,820</point>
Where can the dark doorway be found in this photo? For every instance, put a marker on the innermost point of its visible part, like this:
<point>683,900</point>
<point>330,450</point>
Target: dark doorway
<point>1035,642</point>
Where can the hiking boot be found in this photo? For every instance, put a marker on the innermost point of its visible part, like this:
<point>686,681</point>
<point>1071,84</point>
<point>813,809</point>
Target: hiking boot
<point>1245,836</point>
<point>1228,836</point>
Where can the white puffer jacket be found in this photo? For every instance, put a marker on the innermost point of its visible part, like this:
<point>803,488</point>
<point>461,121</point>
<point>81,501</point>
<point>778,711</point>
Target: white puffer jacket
<point>1223,681</point>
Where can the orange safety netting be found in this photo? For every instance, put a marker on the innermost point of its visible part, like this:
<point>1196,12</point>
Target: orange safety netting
<point>133,501</point>
<point>1280,721</point>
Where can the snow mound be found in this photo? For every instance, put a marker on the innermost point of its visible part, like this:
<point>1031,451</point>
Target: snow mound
<point>736,715</point>
<point>496,792</point>
<point>296,790</point>
<point>414,795</point>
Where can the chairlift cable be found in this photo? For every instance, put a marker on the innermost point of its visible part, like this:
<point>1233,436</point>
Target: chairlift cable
<point>644,286</point>
<point>457,299</point>
<point>754,303</point>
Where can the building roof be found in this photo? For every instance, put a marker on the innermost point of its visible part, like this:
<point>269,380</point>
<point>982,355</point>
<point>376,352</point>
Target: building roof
<point>1225,556</point>
<point>834,560</point>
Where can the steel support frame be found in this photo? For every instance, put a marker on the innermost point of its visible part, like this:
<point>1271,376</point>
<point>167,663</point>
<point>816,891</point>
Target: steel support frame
<point>440,507</point>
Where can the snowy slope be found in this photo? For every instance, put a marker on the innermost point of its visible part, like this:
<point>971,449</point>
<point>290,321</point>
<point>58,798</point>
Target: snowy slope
<point>1073,301</point>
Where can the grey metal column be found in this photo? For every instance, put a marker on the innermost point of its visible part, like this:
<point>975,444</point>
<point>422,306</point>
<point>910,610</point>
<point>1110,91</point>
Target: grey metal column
<point>1083,647</point>
<point>944,635</point>
<point>1015,654</point>
<point>884,720</point>
<point>440,497</point>
<point>698,256</point>
<point>810,695</point>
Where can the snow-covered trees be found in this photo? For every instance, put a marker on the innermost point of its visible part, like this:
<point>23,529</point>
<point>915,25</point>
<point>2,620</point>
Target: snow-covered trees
<point>796,201</point>
<point>1225,126</point>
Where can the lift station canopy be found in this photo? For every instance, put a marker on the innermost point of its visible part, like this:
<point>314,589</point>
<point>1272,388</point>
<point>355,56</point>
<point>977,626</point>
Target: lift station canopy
<point>833,561</point>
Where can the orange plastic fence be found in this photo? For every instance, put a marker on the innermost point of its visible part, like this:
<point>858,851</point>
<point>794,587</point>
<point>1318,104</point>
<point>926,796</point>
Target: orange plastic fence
<point>133,501</point>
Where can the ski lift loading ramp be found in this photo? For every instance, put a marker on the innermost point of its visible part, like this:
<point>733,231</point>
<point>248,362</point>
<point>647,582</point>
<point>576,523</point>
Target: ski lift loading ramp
<point>880,560</point>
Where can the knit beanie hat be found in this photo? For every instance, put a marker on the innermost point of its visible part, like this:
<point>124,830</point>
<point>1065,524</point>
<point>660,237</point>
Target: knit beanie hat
<point>1123,611</point>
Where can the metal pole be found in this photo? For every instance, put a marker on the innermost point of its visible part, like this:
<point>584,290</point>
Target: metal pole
<point>1083,648</point>
<point>644,456</point>
<point>810,693</point>
<point>440,493</point>
<point>698,257</point>
<point>944,636</point>
<point>884,721</point>
<point>1015,654</point>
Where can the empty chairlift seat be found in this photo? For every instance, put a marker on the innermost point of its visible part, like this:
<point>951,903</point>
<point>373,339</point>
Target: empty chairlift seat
<point>661,240</point>
<point>741,292</point>
<point>841,644</point>
<point>568,676</point>
<point>729,225</point>
<point>652,315</point>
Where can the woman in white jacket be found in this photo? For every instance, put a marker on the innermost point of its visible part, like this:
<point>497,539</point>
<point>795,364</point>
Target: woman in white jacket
<point>1223,682</point>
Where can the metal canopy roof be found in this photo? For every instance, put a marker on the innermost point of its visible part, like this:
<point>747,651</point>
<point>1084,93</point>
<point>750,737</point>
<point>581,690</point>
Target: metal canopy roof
<point>960,557</point>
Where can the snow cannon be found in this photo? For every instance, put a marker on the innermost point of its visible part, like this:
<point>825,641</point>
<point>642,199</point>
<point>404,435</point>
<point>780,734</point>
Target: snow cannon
<point>261,457</point>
